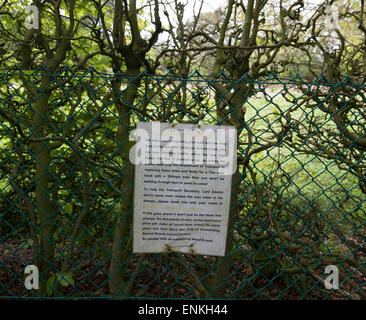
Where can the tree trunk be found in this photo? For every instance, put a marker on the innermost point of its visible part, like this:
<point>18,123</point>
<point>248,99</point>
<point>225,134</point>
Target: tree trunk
<point>218,283</point>
<point>122,233</point>
<point>43,203</point>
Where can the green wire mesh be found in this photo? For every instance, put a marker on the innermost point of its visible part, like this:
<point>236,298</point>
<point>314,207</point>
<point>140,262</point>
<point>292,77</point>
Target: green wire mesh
<point>66,185</point>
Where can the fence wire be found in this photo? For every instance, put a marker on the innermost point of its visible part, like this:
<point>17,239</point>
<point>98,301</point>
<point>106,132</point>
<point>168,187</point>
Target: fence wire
<point>66,185</point>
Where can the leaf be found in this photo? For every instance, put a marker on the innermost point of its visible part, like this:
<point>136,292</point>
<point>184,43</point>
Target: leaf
<point>50,285</point>
<point>65,279</point>
<point>68,207</point>
<point>28,72</point>
<point>28,244</point>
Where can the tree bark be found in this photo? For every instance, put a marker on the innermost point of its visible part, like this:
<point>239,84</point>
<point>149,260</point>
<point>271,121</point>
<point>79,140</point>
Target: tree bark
<point>43,203</point>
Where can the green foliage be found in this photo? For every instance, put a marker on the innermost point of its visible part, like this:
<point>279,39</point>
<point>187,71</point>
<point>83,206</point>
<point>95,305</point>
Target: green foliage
<point>296,204</point>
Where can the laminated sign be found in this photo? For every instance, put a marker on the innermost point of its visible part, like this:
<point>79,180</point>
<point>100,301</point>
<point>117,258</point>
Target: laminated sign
<point>182,187</point>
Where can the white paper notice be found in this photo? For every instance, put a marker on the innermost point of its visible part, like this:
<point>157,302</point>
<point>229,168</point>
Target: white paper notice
<point>182,187</point>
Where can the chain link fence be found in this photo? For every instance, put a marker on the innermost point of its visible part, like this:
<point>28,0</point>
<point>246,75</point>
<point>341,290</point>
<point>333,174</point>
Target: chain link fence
<point>66,185</point>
